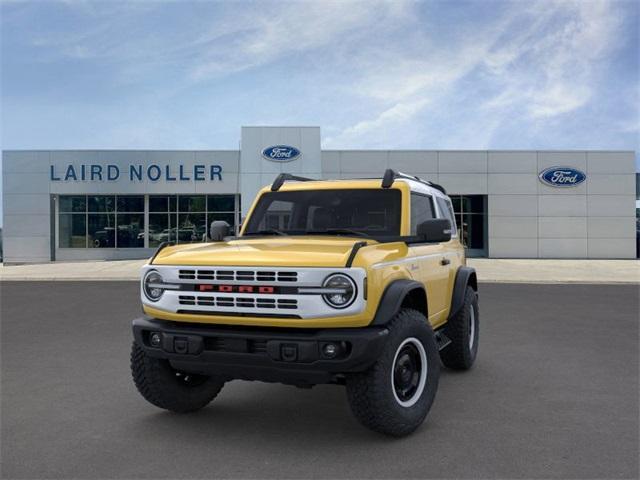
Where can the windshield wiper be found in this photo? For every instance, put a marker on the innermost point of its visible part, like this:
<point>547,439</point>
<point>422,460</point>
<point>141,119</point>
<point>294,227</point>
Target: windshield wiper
<point>339,231</point>
<point>269,231</point>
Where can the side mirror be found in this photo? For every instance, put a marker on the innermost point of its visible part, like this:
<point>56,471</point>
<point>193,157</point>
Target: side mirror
<point>436,230</point>
<point>219,229</point>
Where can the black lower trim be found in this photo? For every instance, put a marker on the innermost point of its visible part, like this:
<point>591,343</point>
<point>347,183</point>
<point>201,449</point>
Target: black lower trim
<point>287,355</point>
<point>464,276</point>
<point>238,314</point>
<point>392,299</point>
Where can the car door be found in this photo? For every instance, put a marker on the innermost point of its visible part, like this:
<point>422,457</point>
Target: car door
<point>427,266</point>
<point>453,253</point>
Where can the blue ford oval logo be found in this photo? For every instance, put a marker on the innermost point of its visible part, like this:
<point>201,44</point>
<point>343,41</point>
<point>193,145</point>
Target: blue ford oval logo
<point>562,176</point>
<point>281,153</point>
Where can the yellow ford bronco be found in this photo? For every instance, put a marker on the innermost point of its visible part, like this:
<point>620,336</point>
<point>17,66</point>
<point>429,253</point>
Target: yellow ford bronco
<point>359,282</point>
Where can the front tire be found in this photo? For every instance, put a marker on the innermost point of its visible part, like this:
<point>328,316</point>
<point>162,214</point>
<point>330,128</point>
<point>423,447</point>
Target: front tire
<point>394,396</point>
<point>463,331</point>
<point>163,386</point>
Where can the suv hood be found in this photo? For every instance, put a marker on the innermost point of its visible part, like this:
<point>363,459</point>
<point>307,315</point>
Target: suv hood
<point>294,251</point>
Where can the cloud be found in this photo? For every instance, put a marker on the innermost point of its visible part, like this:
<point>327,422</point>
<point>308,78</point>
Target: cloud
<point>550,68</point>
<point>538,60</point>
<point>393,74</point>
<point>257,37</point>
<point>231,37</point>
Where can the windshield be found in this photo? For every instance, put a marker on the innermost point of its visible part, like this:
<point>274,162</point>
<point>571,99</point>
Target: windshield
<point>357,212</point>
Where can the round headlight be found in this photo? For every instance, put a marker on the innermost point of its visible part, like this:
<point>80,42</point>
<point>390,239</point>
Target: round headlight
<point>152,286</point>
<point>340,290</point>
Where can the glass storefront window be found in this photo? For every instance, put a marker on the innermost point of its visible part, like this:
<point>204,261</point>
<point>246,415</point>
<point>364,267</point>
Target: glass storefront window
<point>102,203</point>
<point>471,219</point>
<point>221,203</point>
<point>473,231</point>
<point>161,228</point>
<point>191,227</point>
<point>73,230</point>
<point>101,229</point>
<point>130,230</point>
<point>73,203</point>
<point>131,203</point>
<point>192,203</point>
<point>158,203</point>
<point>118,221</point>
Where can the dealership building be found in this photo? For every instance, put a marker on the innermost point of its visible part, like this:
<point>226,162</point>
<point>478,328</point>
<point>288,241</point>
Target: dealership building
<point>121,204</point>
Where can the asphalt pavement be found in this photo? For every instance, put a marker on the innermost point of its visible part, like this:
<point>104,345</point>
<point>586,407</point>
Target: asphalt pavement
<point>554,394</point>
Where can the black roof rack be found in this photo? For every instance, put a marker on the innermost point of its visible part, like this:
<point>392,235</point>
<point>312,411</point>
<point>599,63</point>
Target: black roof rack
<point>390,175</point>
<point>283,177</point>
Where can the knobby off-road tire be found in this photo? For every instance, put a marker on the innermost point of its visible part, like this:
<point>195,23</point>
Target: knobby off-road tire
<point>463,331</point>
<point>377,397</point>
<point>167,388</point>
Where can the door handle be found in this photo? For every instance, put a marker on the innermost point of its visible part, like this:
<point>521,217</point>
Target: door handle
<point>445,261</point>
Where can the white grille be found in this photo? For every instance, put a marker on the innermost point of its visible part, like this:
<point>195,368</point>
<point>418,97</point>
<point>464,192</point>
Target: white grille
<point>229,275</point>
<point>288,303</point>
<point>227,301</point>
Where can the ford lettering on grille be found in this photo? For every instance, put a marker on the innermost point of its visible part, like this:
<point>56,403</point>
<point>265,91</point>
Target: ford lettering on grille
<point>267,289</point>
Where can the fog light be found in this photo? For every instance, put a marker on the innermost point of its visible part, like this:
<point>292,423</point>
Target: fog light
<point>155,340</point>
<point>330,350</point>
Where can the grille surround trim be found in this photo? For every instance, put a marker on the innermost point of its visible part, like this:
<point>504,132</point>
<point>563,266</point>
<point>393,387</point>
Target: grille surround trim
<point>307,305</point>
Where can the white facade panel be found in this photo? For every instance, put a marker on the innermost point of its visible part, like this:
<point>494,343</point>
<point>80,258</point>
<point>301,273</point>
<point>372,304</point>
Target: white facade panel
<point>414,161</point>
<point>26,226</point>
<point>512,183</point>
<point>513,162</point>
<point>575,159</point>
<point>25,161</point>
<point>25,204</point>
<point>612,205</point>
<point>462,162</point>
<point>26,249</point>
<point>611,162</point>
<point>562,205</point>
<point>562,227</point>
<point>612,248</point>
<point>611,227</point>
<point>562,247</point>
<point>603,184</point>
<point>229,160</point>
<point>513,227</point>
<point>513,206</point>
<point>469,183</point>
<point>21,183</point>
<point>330,162</point>
<point>513,247</point>
<point>356,161</point>
<point>366,174</point>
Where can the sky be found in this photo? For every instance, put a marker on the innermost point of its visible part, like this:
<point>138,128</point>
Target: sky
<point>372,74</point>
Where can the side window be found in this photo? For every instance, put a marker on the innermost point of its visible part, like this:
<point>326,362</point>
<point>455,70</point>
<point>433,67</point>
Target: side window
<point>447,211</point>
<point>421,210</point>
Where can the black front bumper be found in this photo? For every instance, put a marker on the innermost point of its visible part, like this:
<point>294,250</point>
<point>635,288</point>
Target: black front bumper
<point>293,356</point>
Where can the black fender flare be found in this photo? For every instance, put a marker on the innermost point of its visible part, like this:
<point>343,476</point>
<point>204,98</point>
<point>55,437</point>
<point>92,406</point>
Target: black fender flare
<point>465,276</point>
<point>392,298</point>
